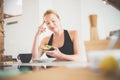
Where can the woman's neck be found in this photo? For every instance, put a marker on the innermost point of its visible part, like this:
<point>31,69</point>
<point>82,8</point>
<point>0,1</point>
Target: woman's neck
<point>59,32</point>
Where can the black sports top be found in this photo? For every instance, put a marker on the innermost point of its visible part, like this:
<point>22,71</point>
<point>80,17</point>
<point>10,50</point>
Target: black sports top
<point>67,47</point>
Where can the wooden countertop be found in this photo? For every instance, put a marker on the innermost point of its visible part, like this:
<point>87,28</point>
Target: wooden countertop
<point>63,73</point>
<point>100,45</point>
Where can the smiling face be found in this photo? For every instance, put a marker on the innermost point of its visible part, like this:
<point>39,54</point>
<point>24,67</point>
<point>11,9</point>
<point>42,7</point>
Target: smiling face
<point>52,21</point>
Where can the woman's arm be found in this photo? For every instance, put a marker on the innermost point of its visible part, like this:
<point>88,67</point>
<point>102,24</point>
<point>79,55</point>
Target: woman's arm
<point>41,29</point>
<point>34,48</point>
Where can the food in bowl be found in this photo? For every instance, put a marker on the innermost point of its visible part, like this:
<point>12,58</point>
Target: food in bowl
<point>47,48</point>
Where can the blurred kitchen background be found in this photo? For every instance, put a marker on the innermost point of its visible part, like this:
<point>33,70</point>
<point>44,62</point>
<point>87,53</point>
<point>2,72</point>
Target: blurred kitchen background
<point>28,14</point>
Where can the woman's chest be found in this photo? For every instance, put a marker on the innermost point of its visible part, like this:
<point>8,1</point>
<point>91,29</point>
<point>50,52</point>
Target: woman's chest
<point>58,41</point>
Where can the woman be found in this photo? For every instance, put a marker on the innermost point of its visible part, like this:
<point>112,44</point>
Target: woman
<point>64,42</point>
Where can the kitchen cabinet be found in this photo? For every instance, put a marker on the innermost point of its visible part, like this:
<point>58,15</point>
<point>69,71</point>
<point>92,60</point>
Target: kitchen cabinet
<point>114,3</point>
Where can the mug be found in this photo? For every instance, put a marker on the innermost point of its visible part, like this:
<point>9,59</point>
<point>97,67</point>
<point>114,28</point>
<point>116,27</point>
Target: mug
<point>24,68</point>
<point>24,57</point>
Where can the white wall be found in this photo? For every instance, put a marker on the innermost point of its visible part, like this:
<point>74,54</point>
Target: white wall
<point>69,11</point>
<point>74,15</point>
<point>19,36</point>
<point>108,18</point>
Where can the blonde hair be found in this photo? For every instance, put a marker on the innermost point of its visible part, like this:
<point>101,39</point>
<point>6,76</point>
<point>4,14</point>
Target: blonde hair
<point>51,12</point>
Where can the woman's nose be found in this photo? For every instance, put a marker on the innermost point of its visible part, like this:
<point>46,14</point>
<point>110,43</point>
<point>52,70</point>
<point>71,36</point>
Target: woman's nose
<point>51,24</point>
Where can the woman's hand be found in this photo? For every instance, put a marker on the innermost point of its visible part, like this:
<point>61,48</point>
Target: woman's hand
<point>55,53</point>
<point>41,29</point>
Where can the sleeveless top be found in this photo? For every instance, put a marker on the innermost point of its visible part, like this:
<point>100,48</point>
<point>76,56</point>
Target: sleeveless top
<point>67,47</point>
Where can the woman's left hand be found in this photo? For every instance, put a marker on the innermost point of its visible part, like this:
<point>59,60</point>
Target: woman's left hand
<point>55,53</point>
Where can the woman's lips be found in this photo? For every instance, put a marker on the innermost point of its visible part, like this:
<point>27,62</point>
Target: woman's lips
<point>52,28</point>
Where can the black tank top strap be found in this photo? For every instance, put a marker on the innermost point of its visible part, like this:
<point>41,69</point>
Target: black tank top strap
<point>67,36</point>
<point>67,48</point>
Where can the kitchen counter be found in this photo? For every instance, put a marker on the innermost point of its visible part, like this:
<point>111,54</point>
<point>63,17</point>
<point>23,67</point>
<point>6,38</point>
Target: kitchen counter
<point>62,70</point>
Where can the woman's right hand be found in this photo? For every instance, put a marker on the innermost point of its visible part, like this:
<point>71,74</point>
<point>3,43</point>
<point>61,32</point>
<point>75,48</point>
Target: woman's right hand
<point>41,29</point>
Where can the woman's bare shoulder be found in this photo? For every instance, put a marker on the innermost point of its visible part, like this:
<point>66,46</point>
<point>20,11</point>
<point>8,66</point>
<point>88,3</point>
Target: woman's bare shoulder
<point>73,32</point>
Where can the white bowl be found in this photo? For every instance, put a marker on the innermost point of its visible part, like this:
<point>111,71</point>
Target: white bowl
<point>45,60</point>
